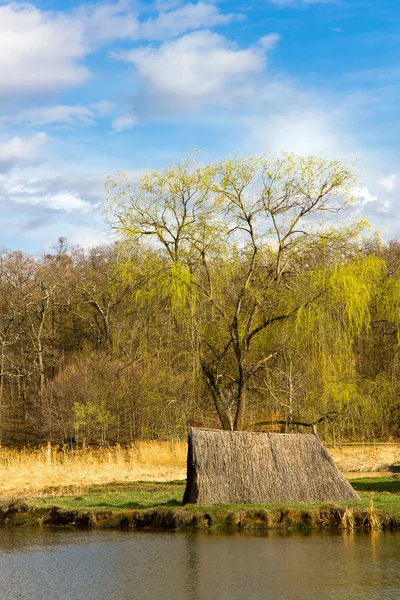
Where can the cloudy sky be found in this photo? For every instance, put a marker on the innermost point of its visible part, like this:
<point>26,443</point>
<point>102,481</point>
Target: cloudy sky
<point>90,89</point>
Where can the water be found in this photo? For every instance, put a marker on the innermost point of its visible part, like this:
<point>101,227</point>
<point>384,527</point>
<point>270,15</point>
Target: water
<point>49,564</point>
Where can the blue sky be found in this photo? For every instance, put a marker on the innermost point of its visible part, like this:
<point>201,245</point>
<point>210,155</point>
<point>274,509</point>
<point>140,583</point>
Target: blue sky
<point>90,89</point>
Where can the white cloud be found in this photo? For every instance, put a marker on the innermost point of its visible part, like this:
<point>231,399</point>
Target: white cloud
<point>389,182</point>
<point>363,196</point>
<point>188,17</point>
<point>88,237</point>
<point>35,212</point>
<point>66,193</point>
<point>90,186</point>
<point>102,108</point>
<point>294,122</point>
<point>19,150</point>
<point>291,119</point>
<point>40,52</point>
<point>269,41</point>
<point>61,201</point>
<point>163,5</point>
<point>196,69</point>
<point>61,114</point>
<point>299,3</point>
<point>107,23</point>
<point>123,123</point>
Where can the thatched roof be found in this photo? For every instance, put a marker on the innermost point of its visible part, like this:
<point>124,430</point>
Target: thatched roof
<point>236,467</point>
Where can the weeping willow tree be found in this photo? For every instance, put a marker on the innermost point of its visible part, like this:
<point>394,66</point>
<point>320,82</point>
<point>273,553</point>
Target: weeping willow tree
<point>246,247</point>
<point>327,333</point>
<point>379,351</point>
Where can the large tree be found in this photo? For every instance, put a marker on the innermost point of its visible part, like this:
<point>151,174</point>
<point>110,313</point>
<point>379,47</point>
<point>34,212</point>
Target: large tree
<point>244,246</point>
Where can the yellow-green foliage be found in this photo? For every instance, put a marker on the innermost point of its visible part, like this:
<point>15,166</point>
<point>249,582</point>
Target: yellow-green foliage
<point>179,287</point>
<point>348,289</point>
<point>239,243</point>
<point>91,418</point>
<point>389,301</point>
<point>354,285</point>
<point>329,327</point>
<point>171,283</point>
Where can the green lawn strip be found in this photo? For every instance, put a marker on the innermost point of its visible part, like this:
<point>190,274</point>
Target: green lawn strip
<point>385,493</point>
<point>118,497</point>
<point>143,504</point>
<point>377,484</point>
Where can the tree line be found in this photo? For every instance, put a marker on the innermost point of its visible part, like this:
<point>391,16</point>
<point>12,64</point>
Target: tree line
<point>237,296</point>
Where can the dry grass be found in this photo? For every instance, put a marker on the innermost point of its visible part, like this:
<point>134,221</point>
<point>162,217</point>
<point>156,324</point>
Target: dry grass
<point>347,519</point>
<point>33,472</point>
<point>30,472</point>
<point>371,520</point>
<point>373,457</point>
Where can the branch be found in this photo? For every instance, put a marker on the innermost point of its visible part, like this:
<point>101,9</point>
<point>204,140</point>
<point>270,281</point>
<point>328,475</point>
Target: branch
<point>261,363</point>
<point>331,416</point>
<point>271,320</point>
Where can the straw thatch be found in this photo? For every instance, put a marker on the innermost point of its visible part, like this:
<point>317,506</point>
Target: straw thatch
<point>236,467</point>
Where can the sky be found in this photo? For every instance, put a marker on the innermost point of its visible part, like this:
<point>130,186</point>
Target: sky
<point>90,89</point>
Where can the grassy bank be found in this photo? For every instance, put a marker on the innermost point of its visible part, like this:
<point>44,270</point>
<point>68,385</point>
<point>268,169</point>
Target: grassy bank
<point>147,505</point>
<point>142,486</point>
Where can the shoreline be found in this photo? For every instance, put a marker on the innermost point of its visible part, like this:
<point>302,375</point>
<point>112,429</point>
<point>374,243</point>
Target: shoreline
<point>191,517</point>
<point>158,505</point>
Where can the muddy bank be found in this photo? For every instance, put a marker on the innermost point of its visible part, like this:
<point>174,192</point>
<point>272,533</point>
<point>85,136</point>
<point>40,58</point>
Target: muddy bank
<point>180,518</point>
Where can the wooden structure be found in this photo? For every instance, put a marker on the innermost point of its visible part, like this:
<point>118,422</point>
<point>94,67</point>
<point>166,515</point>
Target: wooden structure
<point>237,467</point>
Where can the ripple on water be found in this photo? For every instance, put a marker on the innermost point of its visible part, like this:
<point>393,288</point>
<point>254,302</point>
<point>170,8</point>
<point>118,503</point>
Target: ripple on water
<point>49,564</point>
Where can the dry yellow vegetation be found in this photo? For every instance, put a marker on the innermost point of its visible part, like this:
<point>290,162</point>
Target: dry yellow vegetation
<point>365,458</point>
<point>47,470</point>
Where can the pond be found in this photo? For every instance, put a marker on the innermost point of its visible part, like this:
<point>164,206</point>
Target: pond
<point>55,564</point>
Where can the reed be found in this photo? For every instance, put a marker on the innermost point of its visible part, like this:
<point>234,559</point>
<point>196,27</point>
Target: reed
<point>372,520</point>
<point>347,519</point>
<point>49,470</point>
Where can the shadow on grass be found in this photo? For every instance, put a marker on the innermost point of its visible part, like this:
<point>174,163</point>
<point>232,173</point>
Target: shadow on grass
<point>377,485</point>
<point>135,487</point>
<point>138,505</point>
<point>394,468</point>
<point>155,505</point>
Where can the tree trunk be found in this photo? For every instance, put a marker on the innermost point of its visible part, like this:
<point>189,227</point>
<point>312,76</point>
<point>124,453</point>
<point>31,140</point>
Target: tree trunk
<point>241,406</point>
<point>1,392</point>
<point>222,412</point>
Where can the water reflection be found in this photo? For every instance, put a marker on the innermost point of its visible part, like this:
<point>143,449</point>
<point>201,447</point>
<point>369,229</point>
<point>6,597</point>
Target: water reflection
<point>193,562</point>
<point>57,564</point>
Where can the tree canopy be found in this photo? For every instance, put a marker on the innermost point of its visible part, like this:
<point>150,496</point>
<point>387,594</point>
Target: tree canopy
<point>239,295</point>
<point>245,246</point>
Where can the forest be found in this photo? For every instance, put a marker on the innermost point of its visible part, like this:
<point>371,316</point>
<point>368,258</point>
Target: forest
<point>245,294</point>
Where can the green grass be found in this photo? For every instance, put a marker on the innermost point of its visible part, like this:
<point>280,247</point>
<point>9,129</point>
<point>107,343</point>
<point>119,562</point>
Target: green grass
<point>160,504</point>
<point>142,495</point>
<point>118,497</point>
<point>384,491</point>
<point>377,484</point>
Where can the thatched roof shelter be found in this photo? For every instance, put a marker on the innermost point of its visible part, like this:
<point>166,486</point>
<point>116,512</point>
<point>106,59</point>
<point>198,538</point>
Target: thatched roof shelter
<point>237,467</point>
